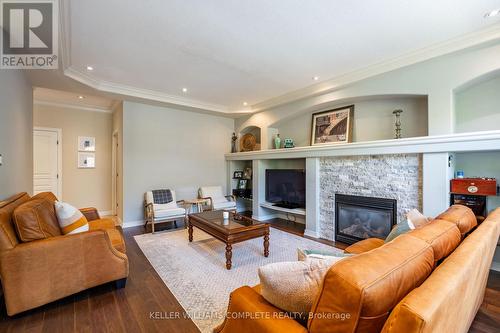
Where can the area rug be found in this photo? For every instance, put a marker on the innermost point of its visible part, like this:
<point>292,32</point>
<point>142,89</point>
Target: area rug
<point>196,272</point>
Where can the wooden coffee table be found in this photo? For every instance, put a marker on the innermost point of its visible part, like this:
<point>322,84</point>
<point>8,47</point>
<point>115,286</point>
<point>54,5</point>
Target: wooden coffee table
<point>229,231</point>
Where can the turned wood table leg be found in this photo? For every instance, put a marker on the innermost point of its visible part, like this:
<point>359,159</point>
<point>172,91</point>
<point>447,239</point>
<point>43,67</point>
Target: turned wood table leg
<point>190,231</point>
<point>229,255</point>
<point>266,244</point>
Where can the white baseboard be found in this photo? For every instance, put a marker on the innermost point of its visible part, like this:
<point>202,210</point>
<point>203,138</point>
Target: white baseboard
<point>105,212</point>
<point>311,233</point>
<point>129,224</point>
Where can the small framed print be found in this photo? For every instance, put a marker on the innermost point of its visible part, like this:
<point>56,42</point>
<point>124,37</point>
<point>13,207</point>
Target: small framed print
<point>242,184</point>
<point>86,143</point>
<point>86,160</point>
<point>238,175</point>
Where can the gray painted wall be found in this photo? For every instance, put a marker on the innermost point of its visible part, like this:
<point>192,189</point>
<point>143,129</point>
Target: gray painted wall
<point>477,108</point>
<point>170,148</point>
<point>16,133</point>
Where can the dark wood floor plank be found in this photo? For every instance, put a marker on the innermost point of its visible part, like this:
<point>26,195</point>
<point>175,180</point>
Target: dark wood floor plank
<point>107,309</point>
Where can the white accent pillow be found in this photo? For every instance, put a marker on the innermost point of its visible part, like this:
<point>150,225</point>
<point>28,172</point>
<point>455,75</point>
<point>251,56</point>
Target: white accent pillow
<point>71,220</point>
<point>293,286</point>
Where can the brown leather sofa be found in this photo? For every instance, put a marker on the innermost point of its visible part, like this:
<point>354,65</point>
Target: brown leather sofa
<point>431,279</point>
<point>37,272</point>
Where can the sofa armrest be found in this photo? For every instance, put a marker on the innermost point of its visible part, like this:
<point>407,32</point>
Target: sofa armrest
<point>90,213</point>
<point>230,197</point>
<point>211,202</point>
<point>39,272</point>
<point>249,312</point>
<point>364,246</point>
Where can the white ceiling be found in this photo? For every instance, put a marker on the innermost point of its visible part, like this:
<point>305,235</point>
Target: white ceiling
<point>227,52</point>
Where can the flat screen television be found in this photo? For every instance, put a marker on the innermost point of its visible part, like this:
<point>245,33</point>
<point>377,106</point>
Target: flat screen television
<point>286,188</point>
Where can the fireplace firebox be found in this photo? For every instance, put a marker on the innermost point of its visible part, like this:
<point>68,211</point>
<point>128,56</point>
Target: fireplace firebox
<point>358,218</point>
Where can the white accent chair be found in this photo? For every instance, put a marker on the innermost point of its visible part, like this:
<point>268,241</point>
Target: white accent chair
<point>216,199</point>
<point>157,213</point>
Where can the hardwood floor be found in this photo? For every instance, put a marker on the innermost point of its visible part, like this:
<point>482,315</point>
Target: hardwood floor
<point>106,309</point>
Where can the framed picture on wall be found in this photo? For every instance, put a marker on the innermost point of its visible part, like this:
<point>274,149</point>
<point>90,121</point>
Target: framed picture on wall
<point>86,160</point>
<point>332,126</point>
<point>86,143</point>
<point>242,184</point>
<point>238,175</point>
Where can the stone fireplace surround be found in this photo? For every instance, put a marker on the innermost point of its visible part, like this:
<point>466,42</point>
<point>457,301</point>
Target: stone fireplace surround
<point>397,176</point>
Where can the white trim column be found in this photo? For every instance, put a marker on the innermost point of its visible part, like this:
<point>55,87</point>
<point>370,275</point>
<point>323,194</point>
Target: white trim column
<point>437,171</point>
<point>312,197</point>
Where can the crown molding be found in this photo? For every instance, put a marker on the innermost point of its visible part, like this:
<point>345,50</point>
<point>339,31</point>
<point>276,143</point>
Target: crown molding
<point>71,106</point>
<point>121,89</point>
<point>489,34</point>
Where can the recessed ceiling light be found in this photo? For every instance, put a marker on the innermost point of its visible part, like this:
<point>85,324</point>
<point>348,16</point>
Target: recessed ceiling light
<point>185,90</point>
<point>315,78</point>
<point>90,68</point>
<point>81,97</point>
<point>245,103</point>
<point>492,13</point>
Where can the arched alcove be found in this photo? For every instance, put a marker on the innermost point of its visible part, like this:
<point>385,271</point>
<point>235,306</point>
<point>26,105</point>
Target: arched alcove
<point>253,130</point>
<point>476,104</point>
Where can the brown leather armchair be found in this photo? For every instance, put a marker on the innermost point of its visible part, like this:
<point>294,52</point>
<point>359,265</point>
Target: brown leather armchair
<point>38,272</point>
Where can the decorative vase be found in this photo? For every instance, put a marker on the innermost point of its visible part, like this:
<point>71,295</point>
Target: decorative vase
<point>277,141</point>
<point>397,113</point>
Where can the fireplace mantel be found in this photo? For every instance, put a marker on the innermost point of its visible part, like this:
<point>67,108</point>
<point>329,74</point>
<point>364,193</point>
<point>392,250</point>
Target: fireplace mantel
<point>462,142</point>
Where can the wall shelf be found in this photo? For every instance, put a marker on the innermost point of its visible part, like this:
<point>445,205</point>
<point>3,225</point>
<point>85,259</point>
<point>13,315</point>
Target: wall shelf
<point>462,142</point>
<point>295,211</point>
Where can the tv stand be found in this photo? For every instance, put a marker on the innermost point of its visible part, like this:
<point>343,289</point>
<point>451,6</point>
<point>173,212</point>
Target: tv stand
<point>286,204</point>
<point>295,211</point>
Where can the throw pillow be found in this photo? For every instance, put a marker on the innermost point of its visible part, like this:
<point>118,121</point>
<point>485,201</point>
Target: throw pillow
<point>302,254</point>
<point>293,286</point>
<point>416,218</point>
<point>36,219</point>
<point>71,220</point>
<point>399,229</point>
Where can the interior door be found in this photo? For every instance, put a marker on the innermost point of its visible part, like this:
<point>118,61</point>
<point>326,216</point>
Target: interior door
<point>46,161</point>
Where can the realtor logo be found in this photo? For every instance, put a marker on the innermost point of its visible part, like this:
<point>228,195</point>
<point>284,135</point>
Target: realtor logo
<point>30,34</point>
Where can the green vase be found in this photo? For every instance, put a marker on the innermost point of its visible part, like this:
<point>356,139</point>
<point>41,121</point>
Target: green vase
<point>277,142</point>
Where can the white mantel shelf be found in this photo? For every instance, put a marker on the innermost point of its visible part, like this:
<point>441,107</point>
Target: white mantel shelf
<point>462,142</point>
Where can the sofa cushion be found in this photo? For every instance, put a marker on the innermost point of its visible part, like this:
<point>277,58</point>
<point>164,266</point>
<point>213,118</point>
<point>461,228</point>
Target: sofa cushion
<point>462,216</point>
<point>369,285</point>
<point>71,220</point>
<point>45,195</point>
<point>224,205</point>
<point>8,234</point>
<point>36,219</point>
<point>166,213</point>
<point>364,246</point>
<point>293,286</point>
<point>214,192</point>
<point>443,236</point>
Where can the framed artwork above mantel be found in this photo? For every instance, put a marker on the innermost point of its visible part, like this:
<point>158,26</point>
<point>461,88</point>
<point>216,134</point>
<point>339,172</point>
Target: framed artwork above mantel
<point>332,126</point>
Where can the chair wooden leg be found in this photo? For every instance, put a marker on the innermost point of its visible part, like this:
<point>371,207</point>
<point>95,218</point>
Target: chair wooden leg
<point>152,227</point>
<point>175,223</point>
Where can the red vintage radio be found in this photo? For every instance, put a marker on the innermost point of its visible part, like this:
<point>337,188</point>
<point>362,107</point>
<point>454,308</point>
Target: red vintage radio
<point>474,186</point>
